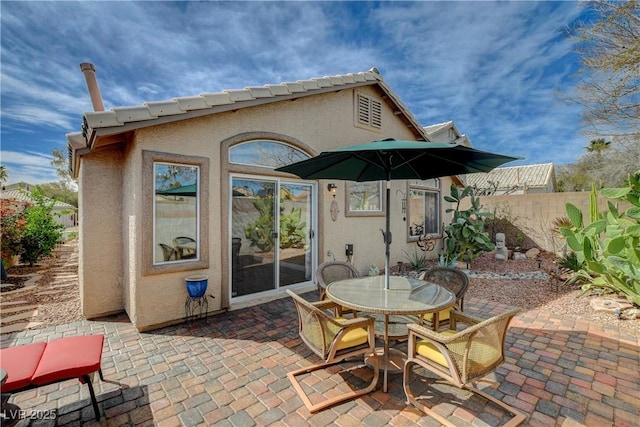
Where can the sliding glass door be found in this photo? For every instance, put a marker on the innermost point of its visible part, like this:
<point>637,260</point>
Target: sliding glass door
<point>272,238</point>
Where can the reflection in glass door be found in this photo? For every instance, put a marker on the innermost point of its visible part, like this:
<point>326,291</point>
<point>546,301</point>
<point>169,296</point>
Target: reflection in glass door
<point>295,233</point>
<point>266,253</point>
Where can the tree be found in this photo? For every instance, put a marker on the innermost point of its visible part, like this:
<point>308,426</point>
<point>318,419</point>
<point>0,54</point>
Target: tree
<point>59,191</point>
<point>41,232</point>
<point>598,146</point>
<point>61,163</point>
<point>4,174</point>
<point>609,47</point>
<point>606,167</point>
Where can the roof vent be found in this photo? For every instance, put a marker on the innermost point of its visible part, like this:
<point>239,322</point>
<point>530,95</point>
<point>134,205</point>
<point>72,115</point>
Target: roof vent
<point>89,72</point>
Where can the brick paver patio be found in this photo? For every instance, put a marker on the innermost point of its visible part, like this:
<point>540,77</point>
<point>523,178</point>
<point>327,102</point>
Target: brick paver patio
<point>232,371</point>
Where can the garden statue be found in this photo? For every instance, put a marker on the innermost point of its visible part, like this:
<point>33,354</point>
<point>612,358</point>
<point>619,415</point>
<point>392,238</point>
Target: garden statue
<point>501,249</point>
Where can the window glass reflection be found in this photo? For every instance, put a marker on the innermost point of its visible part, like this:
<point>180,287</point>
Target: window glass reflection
<point>175,212</point>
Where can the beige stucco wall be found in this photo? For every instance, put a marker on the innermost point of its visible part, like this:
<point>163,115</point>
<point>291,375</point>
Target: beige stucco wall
<point>101,265</point>
<point>322,122</point>
<point>534,214</point>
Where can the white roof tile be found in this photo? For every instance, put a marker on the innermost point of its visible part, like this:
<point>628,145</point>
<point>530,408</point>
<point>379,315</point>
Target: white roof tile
<point>260,92</point>
<point>309,84</point>
<point>101,119</point>
<point>295,87</point>
<point>213,99</point>
<point>191,103</point>
<point>137,113</point>
<point>164,108</point>
<point>278,90</point>
<point>240,95</point>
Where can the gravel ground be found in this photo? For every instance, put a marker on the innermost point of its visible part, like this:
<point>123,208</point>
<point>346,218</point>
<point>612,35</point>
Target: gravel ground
<point>57,306</point>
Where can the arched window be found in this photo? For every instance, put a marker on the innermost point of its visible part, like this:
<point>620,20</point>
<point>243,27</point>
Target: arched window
<point>267,154</point>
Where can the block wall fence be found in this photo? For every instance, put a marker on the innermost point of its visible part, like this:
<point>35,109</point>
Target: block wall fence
<point>533,215</point>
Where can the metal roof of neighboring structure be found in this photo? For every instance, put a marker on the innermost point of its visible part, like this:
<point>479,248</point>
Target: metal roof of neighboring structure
<point>104,126</point>
<point>25,196</point>
<point>505,180</point>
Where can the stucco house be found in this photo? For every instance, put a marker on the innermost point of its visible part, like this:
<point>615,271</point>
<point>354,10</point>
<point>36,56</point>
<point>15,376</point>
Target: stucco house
<point>187,186</point>
<point>528,179</point>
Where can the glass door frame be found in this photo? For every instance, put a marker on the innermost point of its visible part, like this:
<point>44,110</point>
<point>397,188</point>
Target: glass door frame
<point>278,181</point>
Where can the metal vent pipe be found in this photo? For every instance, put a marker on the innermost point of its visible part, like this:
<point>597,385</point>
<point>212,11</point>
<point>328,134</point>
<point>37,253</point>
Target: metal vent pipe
<point>89,72</point>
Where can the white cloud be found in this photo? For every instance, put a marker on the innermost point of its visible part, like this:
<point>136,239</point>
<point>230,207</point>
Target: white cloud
<point>495,68</point>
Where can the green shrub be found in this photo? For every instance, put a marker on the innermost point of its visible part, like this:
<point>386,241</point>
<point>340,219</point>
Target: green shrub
<point>608,247</point>
<point>41,232</point>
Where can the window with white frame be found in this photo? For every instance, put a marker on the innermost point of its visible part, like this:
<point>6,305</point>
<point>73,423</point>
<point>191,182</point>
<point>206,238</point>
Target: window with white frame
<point>423,201</point>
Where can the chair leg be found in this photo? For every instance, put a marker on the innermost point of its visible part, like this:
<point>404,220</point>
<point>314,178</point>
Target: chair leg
<point>96,410</point>
<point>518,417</point>
<point>334,400</point>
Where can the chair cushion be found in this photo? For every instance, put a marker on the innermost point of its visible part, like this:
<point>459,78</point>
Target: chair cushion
<point>69,358</point>
<point>353,338</point>
<point>481,356</point>
<point>442,315</point>
<point>20,363</point>
<point>430,351</point>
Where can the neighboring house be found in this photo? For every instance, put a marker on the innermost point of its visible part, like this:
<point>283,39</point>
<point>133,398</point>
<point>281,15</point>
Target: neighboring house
<point>446,132</point>
<point>187,186</point>
<point>63,213</point>
<point>530,179</point>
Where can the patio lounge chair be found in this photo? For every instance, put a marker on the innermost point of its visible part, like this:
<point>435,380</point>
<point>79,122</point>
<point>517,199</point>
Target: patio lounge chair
<point>460,357</point>
<point>333,340</point>
<point>39,364</point>
<point>454,280</point>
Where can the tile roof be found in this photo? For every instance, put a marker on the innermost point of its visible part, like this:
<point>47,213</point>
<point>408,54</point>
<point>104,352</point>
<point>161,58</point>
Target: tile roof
<point>539,175</point>
<point>25,196</point>
<point>123,119</point>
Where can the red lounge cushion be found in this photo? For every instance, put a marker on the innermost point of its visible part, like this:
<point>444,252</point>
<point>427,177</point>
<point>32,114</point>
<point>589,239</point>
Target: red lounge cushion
<point>20,363</point>
<point>69,358</point>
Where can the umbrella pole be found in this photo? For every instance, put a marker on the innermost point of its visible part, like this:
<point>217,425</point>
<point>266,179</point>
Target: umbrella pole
<point>387,238</point>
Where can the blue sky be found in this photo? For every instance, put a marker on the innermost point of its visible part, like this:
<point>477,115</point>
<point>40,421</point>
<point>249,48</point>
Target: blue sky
<point>500,70</point>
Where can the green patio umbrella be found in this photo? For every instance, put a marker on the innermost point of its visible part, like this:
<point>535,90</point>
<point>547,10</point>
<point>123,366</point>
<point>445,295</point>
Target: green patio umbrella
<point>185,190</point>
<point>392,159</point>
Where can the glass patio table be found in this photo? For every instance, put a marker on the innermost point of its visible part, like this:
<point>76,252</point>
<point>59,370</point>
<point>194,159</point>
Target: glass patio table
<point>404,297</point>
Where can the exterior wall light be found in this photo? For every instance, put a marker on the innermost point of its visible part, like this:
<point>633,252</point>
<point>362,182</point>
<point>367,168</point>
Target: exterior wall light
<point>332,188</point>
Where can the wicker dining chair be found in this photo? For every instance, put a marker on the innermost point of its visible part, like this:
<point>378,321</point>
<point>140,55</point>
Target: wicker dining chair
<point>454,280</point>
<point>169,253</point>
<point>331,271</point>
<point>333,340</point>
<point>460,357</point>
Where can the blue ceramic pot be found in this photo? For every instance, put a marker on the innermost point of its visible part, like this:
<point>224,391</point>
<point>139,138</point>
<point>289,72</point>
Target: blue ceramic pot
<point>196,285</point>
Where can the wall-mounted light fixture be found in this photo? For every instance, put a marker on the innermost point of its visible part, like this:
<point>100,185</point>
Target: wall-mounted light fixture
<point>332,188</point>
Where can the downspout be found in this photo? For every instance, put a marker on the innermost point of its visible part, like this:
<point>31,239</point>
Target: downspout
<point>89,72</point>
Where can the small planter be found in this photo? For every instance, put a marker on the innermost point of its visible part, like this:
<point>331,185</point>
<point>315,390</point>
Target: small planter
<point>196,285</point>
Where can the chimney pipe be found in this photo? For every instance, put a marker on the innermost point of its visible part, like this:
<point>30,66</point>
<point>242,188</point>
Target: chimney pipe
<point>89,72</point>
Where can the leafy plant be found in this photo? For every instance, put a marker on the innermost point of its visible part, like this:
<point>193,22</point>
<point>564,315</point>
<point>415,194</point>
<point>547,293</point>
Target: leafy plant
<point>466,239</point>
<point>41,232</point>
<point>260,232</point>
<point>416,260</point>
<point>609,245</point>
<point>570,262</point>
<point>11,230</point>
<point>292,229</point>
